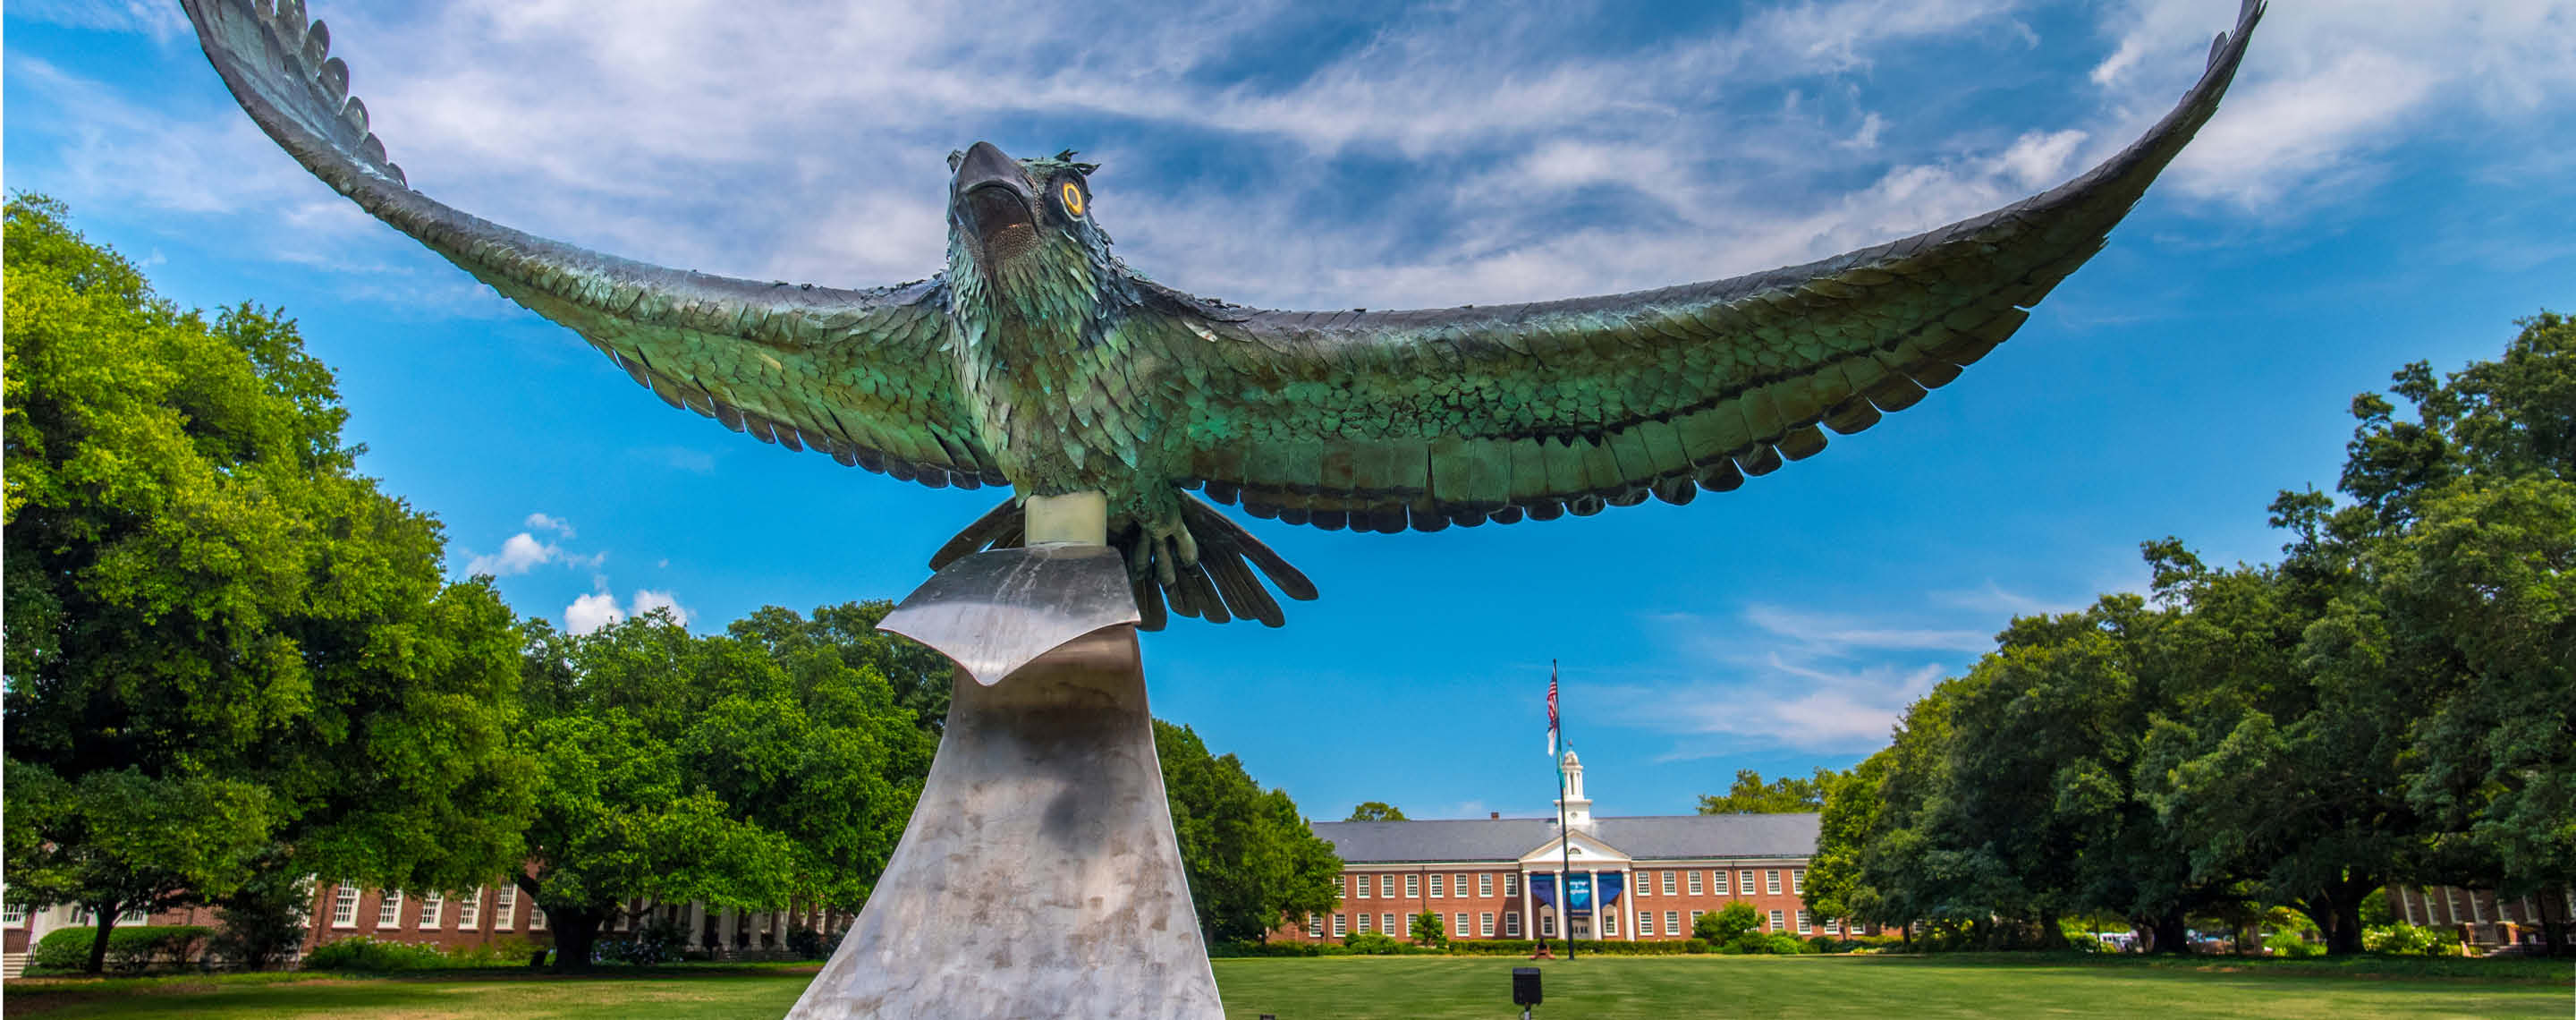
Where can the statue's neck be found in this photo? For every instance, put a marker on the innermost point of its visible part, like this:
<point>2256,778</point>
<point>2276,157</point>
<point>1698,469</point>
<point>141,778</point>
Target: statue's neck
<point>1052,300</point>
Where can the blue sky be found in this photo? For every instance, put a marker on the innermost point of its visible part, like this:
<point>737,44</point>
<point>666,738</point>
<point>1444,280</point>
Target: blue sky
<point>2378,189</point>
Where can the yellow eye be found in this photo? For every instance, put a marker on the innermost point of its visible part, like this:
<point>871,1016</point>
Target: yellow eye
<point>1072,197</point>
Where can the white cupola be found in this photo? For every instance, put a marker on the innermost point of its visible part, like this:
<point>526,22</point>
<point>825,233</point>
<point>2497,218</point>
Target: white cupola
<point>1576,808</point>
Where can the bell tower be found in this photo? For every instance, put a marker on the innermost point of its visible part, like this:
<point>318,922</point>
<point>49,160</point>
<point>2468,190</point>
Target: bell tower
<point>1577,808</point>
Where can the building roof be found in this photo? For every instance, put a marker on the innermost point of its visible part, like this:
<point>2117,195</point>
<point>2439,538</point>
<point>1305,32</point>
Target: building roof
<point>1650,837</point>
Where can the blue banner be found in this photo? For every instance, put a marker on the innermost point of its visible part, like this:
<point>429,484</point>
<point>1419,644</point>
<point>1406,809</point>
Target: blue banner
<point>1612,883</point>
<point>1578,891</point>
<point>1543,888</point>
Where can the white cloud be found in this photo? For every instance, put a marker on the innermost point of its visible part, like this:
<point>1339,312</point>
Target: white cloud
<point>599,609</point>
<point>160,20</point>
<point>544,522</point>
<point>519,554</point>
<point>592,612</point>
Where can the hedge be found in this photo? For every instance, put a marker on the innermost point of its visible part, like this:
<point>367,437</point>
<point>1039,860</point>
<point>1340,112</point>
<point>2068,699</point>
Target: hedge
<point>1525,947</point>
<point>128,949</point>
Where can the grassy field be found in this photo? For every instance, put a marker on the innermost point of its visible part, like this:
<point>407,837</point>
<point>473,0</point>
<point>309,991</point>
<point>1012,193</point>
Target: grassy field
<point>1433,988</point>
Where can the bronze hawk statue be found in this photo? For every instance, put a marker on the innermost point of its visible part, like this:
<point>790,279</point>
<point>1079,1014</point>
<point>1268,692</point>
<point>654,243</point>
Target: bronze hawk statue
<point>1038,360</point>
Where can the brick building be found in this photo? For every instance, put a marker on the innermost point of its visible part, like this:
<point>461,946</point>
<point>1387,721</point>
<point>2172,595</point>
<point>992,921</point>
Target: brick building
<point>1632,878</point>
<point>2482,919</point>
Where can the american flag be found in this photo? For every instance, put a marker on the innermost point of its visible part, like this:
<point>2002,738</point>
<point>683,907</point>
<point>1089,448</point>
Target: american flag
<point>1551,709</point>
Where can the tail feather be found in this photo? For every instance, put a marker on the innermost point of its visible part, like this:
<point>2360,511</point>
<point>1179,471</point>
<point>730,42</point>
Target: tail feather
<point>1219,584</point>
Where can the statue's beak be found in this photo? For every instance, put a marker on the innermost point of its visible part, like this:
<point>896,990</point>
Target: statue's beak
<point>990,198</point>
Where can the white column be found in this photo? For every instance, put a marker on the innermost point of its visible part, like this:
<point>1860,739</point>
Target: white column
<point>697,925</point>
<point>1628,885</point>
<point>1593,878</point>
<point>725,922</point>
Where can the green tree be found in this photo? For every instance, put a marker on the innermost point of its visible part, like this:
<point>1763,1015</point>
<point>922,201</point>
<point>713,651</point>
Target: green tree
<point>209,609</point>
<point>1376,811</point>
<point>1252,861</point>
<point>1430,930</point>
<point>1785,795</point>
<point>1835,886</point>
<point>743,770</point>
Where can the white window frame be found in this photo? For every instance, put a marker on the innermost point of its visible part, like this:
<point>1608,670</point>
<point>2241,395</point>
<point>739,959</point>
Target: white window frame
<point>1609,924</point>
<point>431,906</point>
<point>1341,925</point>
<point>1386,925</point>
<point>537,916</point>
<point>469,911</point>
<point>1673,923</point>
<point>1484,883</point>
<point>1385,886</point>
<point>1668,889</point>
<point>1547,925</point>
<point>1485,924</point>
<point>1695,884</point>
<point>1798,881</point>
<point>12,913</point>
<point>1771,881</point>
<point>505,906</point>
<point>1458,885</point>
<point>344,907</point>
<point>1439,886</point>
<point>389,909</point>
<point>1511,883</point>
<point>1366,919</point>
<point>1806,923</point>
<point>1643,883</point>
<point>133,916</point>
<point>1314,925</point>
<point>1511,924</point>
<point>1779,921</point>
<point>1362,886</point>
<point>1412,887</point>
<point>1693,930</point>
<point>1746,881</point>
<point>1463,930</point>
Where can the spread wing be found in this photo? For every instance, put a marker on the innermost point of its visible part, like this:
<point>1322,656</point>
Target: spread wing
<point>1377,420</point>
<point>859,374</point>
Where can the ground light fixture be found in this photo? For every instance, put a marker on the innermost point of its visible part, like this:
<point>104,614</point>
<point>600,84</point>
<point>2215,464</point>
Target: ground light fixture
<point>1525,989</point>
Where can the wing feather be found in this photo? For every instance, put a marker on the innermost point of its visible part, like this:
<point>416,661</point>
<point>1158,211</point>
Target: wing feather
<point>859,375</point>
<point>1374,420</point>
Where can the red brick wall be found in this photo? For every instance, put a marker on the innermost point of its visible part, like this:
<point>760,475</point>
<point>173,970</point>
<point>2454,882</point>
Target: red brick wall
<point>1650,876</point>
<point>446,931</point>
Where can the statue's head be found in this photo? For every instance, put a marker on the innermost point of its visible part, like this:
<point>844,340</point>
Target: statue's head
<point>1021,219</point>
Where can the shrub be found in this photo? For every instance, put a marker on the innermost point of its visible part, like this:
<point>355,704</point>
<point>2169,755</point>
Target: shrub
<point>1695,946</point>
<point>2289,944</point>
<point>1230,950</point>
<point>1723,925</point>
<point>658,941</point>
<point>128,949</point>
<point>370,956</point>
<point>812,944</point>
<point>501,952</point>
<point>1525,947</point>
<point>1823,944</point>
<point>1371,943</point>
<point>2408,940</point>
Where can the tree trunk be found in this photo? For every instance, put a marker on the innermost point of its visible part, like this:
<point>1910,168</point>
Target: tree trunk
<point>106,924</point>
<point>2336,909</point>
<point>2553,927</point>
<point>2171,936</point>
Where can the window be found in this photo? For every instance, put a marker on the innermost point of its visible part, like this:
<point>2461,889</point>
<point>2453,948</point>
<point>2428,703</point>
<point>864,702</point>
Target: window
<point>1485,883</point>
<point>1362,881</point>
<point>469,911</point>
<point>1341,926</point>
<point>1833,926</point>
<point>1511,924</point>
<point>82,918</point>
<point>1668,883</point>
<point>1806,926</point>
<point>389,909</point>
<point>344,907</point>
<point>1776,924</point>
<point>1364,922</point>
<point>13,913</point>
<point>1458,885</point>
<point>1485,923</point>
<point>1797,880</point>
<point>1547,925</point>
<point>1694,928</point>
<point>1771,881</point>
<point>1461,930</point>
<point>431,905</point>
<point>537,916</point>
<point>1314,926</point>
<point>1412,886</point>
<point>1438,883</point>
<point>1642,882</point>
<point>1386,886</point>
<point>1511,883</point>
<point>1386,923</point>
<point>1673,923</point>
<point>505,906</point>
<point>133,916</point>
<point>1744,882</point>
<point>1646,923</point>
<point>1694,883</point>
<point>1609,923</point>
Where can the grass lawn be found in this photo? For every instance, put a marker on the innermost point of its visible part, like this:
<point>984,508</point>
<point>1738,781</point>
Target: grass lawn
<point>1431,988</point>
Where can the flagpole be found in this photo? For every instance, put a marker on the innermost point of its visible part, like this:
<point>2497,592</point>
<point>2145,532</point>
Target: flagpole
<point>1564,843</point>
